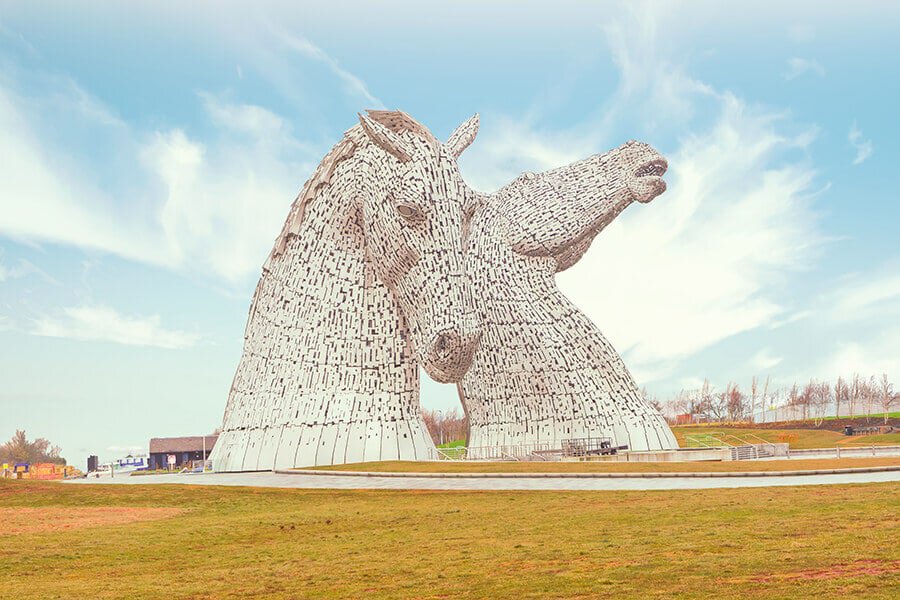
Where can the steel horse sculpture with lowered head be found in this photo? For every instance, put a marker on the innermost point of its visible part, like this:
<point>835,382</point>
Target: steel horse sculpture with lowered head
<point>366,281</point>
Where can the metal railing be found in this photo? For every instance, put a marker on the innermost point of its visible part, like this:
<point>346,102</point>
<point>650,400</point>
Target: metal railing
<point>513,452</point>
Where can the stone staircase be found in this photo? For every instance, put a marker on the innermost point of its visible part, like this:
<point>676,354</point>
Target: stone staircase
<point>752,451</point>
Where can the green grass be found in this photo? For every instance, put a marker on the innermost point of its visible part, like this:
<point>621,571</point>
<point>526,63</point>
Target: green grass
<point>449,466</point>
<point>881,439</point>
<point>818,541</point>
<point>453,444</point>
<point>798,438</point>
<point>873,417</point>
<point>454,449</point>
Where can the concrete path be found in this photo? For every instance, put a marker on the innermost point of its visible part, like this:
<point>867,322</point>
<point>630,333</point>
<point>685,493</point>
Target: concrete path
<point>279,480</point>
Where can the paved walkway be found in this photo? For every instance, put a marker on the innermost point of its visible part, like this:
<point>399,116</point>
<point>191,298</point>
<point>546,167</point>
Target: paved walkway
<point>279,480</point>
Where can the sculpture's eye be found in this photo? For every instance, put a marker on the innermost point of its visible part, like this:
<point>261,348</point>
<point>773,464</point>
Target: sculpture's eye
<point>410,212</point>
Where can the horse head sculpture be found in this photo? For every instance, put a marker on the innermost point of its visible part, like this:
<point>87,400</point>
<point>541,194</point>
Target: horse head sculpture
<point>545,374</point>
<point>366,281</point>
<point>413,206</point>
<point>559,212</point>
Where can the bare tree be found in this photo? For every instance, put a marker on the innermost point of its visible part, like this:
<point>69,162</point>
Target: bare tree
<point>683,402</point>
<point>705,400</point>
<point>753,397</point>
<point>448,426</point>
<point>820,398</point>
<point>841,394</point>
<point>735,402</point>
<point>871,390</point>
<point>886,396</point>
<point>651,399</point>
<point>776,397</point>
<point>855,393</point>
<point>800,399</point>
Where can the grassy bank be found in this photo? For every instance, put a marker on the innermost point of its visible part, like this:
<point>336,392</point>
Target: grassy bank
<point>798,438</point>
<point>183,542</point>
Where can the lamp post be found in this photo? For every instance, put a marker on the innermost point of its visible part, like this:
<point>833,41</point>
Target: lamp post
<point>441,425</point>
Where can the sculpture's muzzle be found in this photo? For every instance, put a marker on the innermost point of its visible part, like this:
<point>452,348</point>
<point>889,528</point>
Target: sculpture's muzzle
<point>646,182</point>
<point>449,354</point>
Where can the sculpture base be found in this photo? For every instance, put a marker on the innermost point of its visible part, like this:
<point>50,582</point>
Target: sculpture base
<point>292,446</point>
<point>549,434</point>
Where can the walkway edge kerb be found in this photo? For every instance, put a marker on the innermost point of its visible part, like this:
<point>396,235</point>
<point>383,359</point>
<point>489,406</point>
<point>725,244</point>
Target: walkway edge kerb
<point>588,475</point>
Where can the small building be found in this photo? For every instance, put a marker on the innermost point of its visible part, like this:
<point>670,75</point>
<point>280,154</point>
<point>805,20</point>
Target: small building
<point>44,471</point>
<point>139,461</point>
<point>184,450</point>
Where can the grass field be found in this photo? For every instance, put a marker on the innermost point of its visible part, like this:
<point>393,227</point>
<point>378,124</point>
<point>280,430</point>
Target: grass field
<point>874,417</point>
<point>798,438</point>
<point>180,542</point>
<point>614,467</point>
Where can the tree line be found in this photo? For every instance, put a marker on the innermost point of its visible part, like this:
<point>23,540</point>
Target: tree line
<point>848,397</point>
<point>448,424</point>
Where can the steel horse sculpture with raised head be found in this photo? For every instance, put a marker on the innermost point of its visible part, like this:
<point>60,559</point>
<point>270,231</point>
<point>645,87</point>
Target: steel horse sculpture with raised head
<point>366,281</point>
<point>544,373</point>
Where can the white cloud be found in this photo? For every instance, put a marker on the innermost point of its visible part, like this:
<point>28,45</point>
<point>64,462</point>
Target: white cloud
<point>765,360</point>
<point>42,199</point>
<point>309,50</point>
<point>23,268</point>
<point>100,323</point>
<point>864,297</point>
<point>221,203</point>
<point>507,147</point>
<point>204,207</point>
<point>791,318</point>
<point>800,66</point>
<point>880,353</point>
<point>863,147</point>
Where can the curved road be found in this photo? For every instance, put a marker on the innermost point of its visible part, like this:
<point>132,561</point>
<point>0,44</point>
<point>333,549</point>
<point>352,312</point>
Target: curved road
<point>281,480</point>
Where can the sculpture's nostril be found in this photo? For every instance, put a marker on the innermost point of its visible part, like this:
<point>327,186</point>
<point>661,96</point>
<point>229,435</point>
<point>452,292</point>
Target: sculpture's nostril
<point>450,353</point>
<point>443,343</point>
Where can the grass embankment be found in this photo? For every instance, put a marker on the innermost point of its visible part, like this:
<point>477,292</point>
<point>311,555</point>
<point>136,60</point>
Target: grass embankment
<point>875,418</point>
<point>614,467</point>
<point>799,439</point>
<point>818,541</point>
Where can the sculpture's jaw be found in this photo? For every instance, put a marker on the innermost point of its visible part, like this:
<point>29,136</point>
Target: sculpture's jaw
<point>646,183</point>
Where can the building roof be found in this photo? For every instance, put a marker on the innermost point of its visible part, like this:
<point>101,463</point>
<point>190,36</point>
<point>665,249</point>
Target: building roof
<point>192,443</point>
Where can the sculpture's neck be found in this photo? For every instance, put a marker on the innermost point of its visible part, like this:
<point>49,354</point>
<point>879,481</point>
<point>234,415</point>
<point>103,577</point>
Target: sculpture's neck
<point>331,329</point>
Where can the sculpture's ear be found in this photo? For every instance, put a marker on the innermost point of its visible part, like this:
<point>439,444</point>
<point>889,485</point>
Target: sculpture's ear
<point>386,139</point>
<point>464,135</point>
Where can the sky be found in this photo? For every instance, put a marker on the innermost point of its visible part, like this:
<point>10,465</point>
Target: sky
<point>149,153</point>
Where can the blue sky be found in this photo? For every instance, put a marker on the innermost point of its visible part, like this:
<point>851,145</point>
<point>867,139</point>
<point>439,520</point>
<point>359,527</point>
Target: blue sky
<point>149,154</point>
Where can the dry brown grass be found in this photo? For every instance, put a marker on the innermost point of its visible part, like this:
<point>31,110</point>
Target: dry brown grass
<point>805,542</point>
<point>16,521</point>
